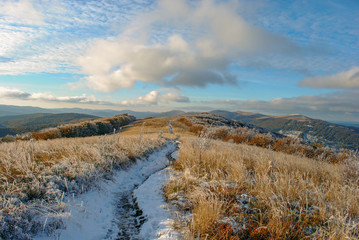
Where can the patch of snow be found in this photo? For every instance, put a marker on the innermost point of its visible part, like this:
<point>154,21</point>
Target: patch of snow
<point>92,215</point>
<point>151,200</point>
<point>174,155</point>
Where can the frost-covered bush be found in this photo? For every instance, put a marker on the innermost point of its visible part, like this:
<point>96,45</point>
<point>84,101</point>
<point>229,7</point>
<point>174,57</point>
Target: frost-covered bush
<point>85,129</point>
<point>8,138</point>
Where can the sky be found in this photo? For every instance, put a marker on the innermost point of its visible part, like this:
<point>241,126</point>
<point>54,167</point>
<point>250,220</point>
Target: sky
<point>269,56</point>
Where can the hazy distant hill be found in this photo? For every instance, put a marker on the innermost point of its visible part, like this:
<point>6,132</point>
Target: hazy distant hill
<point>34,122</point>
<point>6,131</point>
<point>296,125</point>
<point>169,114</point>
<point>8,110</point>
<point>242,116</point>
<point>348,124</point>
<point>5,119</point>
<point>43,118</point>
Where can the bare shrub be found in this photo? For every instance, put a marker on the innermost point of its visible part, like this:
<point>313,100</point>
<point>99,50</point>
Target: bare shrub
<point>85,129</point>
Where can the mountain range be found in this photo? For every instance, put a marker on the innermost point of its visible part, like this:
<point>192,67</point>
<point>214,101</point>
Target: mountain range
<point>18,124</point>
<point>9,110</point>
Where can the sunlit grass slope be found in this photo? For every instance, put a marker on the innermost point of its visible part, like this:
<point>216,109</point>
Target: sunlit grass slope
<point>229,190</point>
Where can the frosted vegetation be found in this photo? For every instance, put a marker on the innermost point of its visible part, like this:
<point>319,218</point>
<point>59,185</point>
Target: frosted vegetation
<point>36,176</point>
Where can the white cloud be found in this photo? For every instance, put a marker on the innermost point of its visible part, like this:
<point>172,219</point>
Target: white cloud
<point>217,37</point>
<point>70,99</point>
<point>13,93</point>
<point>150,98</point>
<point>21,11</point>
<point>174,96</point>
<point>157,96</point>
<point>347,79</point>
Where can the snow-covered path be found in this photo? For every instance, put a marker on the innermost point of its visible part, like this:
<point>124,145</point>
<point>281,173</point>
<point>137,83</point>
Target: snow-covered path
<point>150,199</point>
<point>112,211</point>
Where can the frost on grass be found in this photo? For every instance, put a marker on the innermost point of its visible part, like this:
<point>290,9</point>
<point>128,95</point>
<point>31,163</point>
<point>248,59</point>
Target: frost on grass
<point>36,177</point>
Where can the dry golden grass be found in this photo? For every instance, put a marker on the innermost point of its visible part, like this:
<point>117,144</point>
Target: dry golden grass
<point>208,210</point>
<point>149,127</point>
<point>24,160</point>
<point>231,131</point>
<point>285,196</point>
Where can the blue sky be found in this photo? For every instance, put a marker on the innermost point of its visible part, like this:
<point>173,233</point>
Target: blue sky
<point>273,57</point>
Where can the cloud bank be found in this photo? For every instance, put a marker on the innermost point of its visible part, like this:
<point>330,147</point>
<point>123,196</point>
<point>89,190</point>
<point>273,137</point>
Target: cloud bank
<point>348,79</point>
<point>152,98</point>
<point>21,11</point>
<point>13,93</point>
<point>158,96</point>
<point>199,41</point>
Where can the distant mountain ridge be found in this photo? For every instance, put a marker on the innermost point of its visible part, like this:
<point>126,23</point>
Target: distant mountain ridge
<point>296,125</point>
<point>17,124</point>
<point>43,118</point>
<point>9,110</point>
